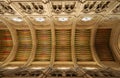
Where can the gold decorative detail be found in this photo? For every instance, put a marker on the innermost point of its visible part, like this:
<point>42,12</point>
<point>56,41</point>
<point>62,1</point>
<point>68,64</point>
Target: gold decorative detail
<point>31,8</point>
<point>117,9</point>
<point>5,8</point>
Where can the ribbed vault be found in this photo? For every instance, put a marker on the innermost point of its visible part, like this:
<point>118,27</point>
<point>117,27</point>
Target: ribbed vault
<point>48,35</point>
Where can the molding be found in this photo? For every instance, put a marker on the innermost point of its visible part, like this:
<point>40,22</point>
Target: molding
<point>115,34</point>
<point>46,71</point>
<point>93,51</point>
<point>74,60</point>
<point>52,59</point>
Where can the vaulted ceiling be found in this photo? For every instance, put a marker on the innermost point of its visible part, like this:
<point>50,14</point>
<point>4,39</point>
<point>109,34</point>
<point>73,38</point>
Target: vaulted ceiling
<point>60,33</point>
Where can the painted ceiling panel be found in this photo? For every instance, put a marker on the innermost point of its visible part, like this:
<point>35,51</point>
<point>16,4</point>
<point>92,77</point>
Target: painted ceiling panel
<point>24,45</point>
<point>63,45</point>
<point>102,45</point>
<point>82,45</point>
<point>5,44</point>
<point>43,52</point>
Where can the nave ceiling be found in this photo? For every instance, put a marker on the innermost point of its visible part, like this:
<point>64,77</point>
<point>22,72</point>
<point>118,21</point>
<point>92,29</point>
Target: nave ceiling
<point>71,32</point>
